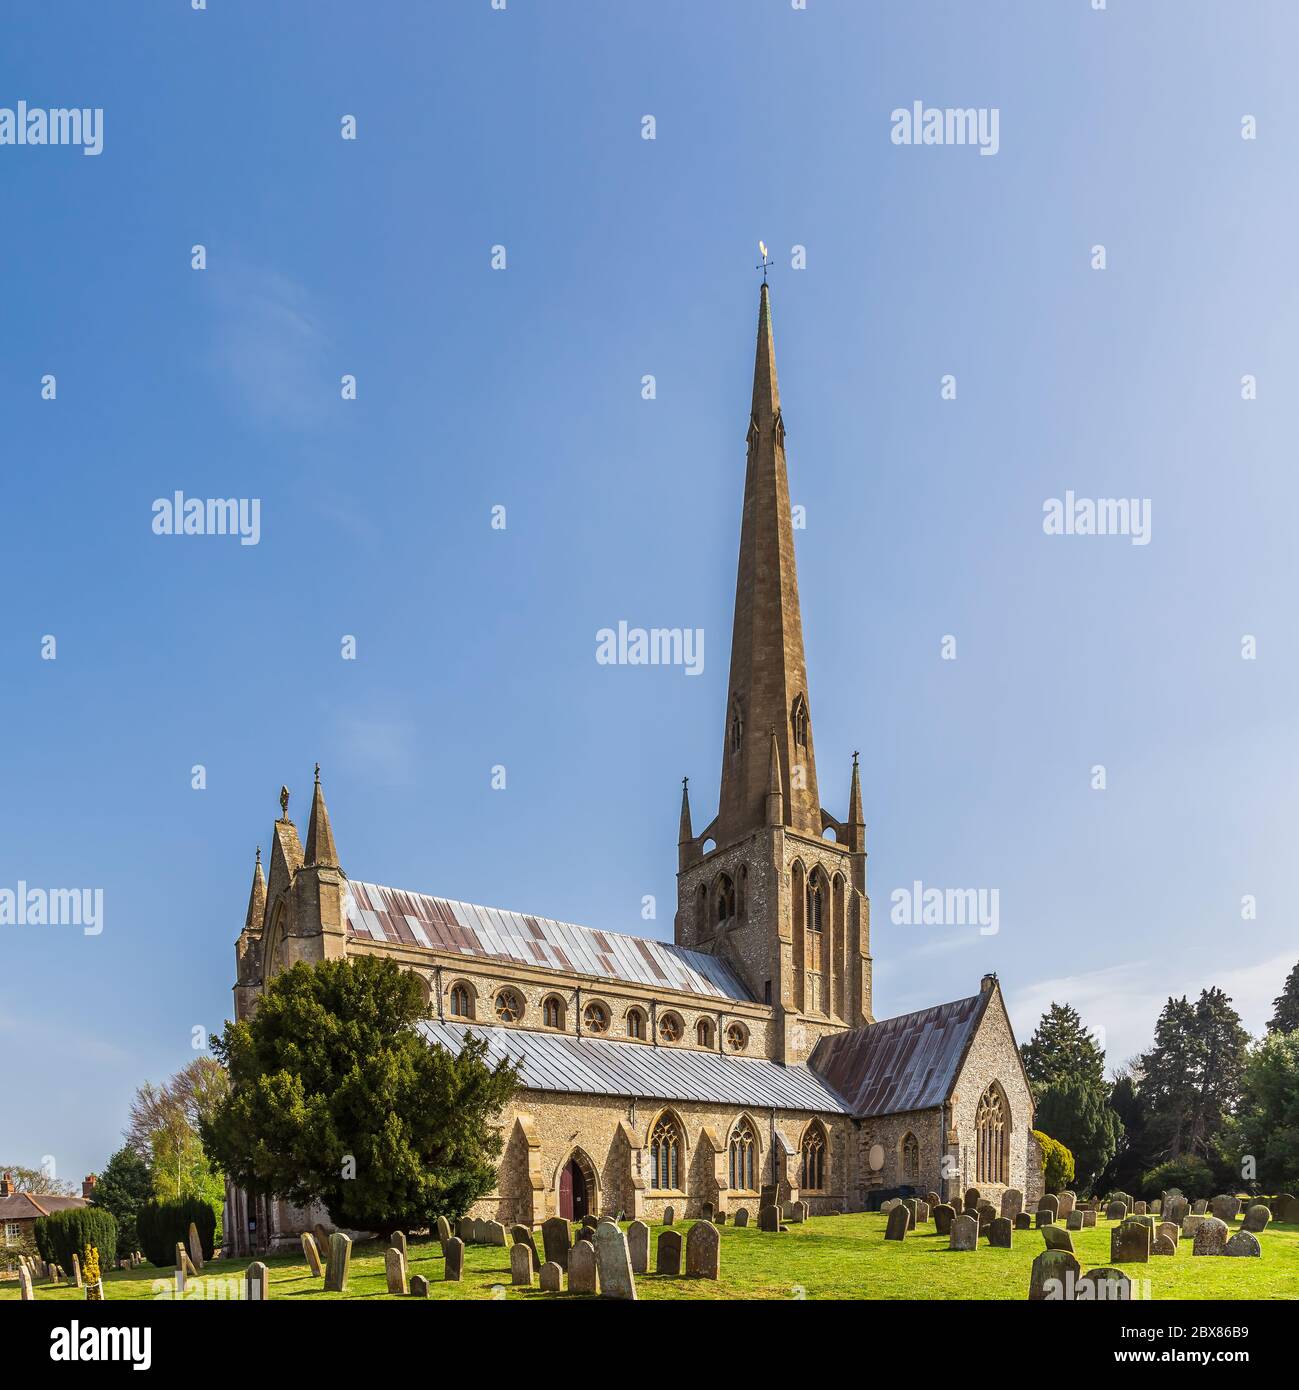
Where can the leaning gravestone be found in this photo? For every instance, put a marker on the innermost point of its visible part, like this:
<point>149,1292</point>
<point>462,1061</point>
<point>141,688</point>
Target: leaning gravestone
<point>1130,1243</point>
<point>1243,1243</point>
<point>552,1277</point>
<point>965,1233</point>
<point>1116,1211</point>
<point>340,1262</point>
<point>1102,1285</point>
<point>398,1242</point>
<point>943,1218</point>
<point>638,1234</point>
<point>1210,1237</point>
<point>1163,1245</point>
<point>613,1261</point>
<point>418,1286</point>
<point>75,1281</point>
<point>1256,1219</point>
<point>1023,1222</point>
<point>668,1259</point>
<point>742,1217</point>
<point>704,1251</point>
<point>1225,1207</point>
<point>1057,1238</point>
<point>922,1211</point>
<point>26,1292</point>
<point>494,1234</point>
<point>896,1229</point>
<point>582,1276</point>
<point>1169,1230</point>
<point>556,1239</point>
<point>1001,1233</point>
<point>522,1235</point>
<point>310,1253</point>
<point>443,1232</point>
<point>957,1204</point>
<point>909,1206</point>
<point>394,1267</point>
<point>257,1282</point>
<point>1012,1202</point>
<point>195,1247</point>
<point>454,1264</point>
<point>522,1261</point>
<point>1052,1276</point>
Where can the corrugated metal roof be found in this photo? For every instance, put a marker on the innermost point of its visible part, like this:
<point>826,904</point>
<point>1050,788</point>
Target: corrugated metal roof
<point>602,1067</point>
<point>376,913</point>
<point>903,1063</point>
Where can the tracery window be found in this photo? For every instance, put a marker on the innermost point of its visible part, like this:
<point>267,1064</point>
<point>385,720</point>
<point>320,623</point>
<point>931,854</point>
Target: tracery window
<point>596,1018</point>
<point>635,1024</point>
<point>743,1155</point>
<point>737,1037</point>
<point>813,1165</point>
<point>725,899</point>
<point>509,1006</point>
<point>990,1130</point>
<point>670,1028</point>
<point>798,721</point>
<point>462,1002</point>
<point>910,1159</point>
<point>666,1147</point>
<point>553,1012</point>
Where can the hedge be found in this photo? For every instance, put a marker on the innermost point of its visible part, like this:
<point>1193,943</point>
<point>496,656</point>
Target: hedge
<point>63,1234</point>
<point>162,1224</point>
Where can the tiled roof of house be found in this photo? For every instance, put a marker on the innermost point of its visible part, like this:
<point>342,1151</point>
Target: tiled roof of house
<point>904,1063</point>
<point>605,1067</point>
<point>23,1206</point>
<point>376,913</point>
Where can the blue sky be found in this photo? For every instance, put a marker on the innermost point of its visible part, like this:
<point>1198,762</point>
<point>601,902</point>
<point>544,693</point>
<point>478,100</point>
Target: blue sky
<point>522,388</point>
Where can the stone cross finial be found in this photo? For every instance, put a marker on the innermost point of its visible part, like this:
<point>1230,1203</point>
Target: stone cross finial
<point>284,803</point>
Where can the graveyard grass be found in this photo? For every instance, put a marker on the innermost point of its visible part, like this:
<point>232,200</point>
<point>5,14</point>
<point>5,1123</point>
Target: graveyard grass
<point>832,1257</point>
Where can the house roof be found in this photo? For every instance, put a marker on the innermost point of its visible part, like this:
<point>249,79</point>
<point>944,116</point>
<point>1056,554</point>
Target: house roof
<point>23,1206</point>
<point>904,1063</point>
<point>602,1066</point>
<point>376,913</point>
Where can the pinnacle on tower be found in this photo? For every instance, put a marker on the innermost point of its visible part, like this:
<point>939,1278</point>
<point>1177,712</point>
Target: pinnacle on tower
<point>321,851</point>
<point>257,897</point>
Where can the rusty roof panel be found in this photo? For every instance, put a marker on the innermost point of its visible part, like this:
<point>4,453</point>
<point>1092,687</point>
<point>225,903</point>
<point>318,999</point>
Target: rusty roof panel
<point>897,1064</point>
<point>440,924</point>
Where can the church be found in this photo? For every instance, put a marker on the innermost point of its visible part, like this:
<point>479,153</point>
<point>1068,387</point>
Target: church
<point>743,1056</point>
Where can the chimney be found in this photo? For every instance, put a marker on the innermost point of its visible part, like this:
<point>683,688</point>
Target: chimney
<point>7,1185</point>
<point>988,983</point>
<point>88,1186</point>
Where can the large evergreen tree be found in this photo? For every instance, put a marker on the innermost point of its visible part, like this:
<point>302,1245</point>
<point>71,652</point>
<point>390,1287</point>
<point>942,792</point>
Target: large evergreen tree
<point>123,1188</point>
<point>1285,1017</point>
<point>1133,1155</point>
<point>1061,1049</point>
<point>335,1098</point>
<point>1267,1124</point>
<point>1079,1115</point>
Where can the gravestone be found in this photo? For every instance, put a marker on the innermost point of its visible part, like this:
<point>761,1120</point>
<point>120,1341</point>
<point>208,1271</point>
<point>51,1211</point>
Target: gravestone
<point>668,1257</point>
<point>1243,1243</point>
<point>1012,1202</point>
<point>1139,1209</point>
<point>552,1277</point>
<point>957,1204</point>
<point>397,1241</point>
<point>418,1286</point>
<point>180,1279</point>
<point>75,1281</point>
<point>706,1212</point>
<point>1200,1208</point>
<point>1001,1233</point>
<point>944,1215</point>
<point>1116,1211</point>
<point>1176,1209</point>
<point>1074,1221</point>
<point>465,1230</point>
<point>1164,1245</point>
<point>1210,1237</point>
<point>1065,1203</point>
<point>742,1217</point>
<point>704,1251</point>
<point>1023,1222</point>
<point>1157,1207</point>
<point>1052,1276</point>
<point>257,1282</point>
<point>987,1215</point>
<point>522,1260</point>
<point>613,1260</point>
<point>896,1228</point>
<point>1104,1285</point>
<point>805,1211</point>
<point>1130,1243</point>
<point>1256,1219</point>
<point>494,1234</point>
<point>1051,1203</point>
<point>965,1233</point>
<point>908,1205</point>
<point>522,1235</point>
<point>793,1213</point>
<point>972,1198</point>
<point>394,1267</point>
<point>719,1218</point>
<point>555,1240</point>
<point>1191,1224</point>
<point>1089,1219</point>
<point>669,1215</point>
<point>638,1234</point>
<point>26,1293</point>
<point>582,1276</point>
<point>1044,1217</point>
<point>340,1263</point>
<point>932,1199</point>
<point>443,1232</point>
<point>769,1219</point>
<point>1225,1207</point>
<point>1169,1230</point>
<point>322,1240</point>
<point>1057,1238</point>
<point>454,1265</point>
<point>1286,1208</point>
<point>310,1253</point>
<point>195,1247</point>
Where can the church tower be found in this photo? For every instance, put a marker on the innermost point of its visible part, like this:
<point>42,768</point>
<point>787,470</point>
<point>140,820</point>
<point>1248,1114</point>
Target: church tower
<point>761,886</point>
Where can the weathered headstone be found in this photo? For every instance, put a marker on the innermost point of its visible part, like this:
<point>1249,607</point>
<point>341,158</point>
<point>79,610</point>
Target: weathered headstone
<point>1243,1243</point>
<point>465,1230</point>
<point>76,1281</point>
<point>1200,1207</point>
<point>964,1234</point>
<point>1130,1243</point>
<point>582,1277</point>
<point>195,1247</point>
<point>1256,1219</point>
<point>1169,1230</point>
<point>454,1264</point>
<point>944,1215</point>
<point>1163,1245</point>
<point>1074,1221</point>
<point>669,1215</point>
<point>742,1217</point>
<point>310,1253</point>
<point>322,1240</point>
<point>418,1286</point>
<point>1191,1224</point>
<point>668,1259</point>
<point>1023,1222</point>
<point>1057,1237</point>
<point>704,1251</point>
<point>972,1198</point>
<point>443,1232</point>
<point>1139,1208</point>
<point>987,1215</point>
<point>957,1203</point>
<point>805,1211</point>
<point>1044,1217</point>
<point>26,1293</point>
<point>522,1261</point>
<point>1116,1211</point>
<point>1210,1237</point>
<point>638,1234</point>
<point>1104,1285</point>
<point>769,1219</point>
<point>613,1261</point>
<point>556,1239</point>
<point>257,1282</point>
<point>1012,1202</point>
<point>1286,1208</point>
<point>340,1262</point>
<point>932,1199</point>
<point>1176,1208</point>
<point>1001,1233</point>
<point>1052,1276</point>
<point>1049,1202</point>
<point>896,1226</point>
<point>552,1277</point>
<point>1089,1219</point>
<point>394,1268</point>
<point>494,1234</point>
<point>1065,1203</point>
<point>397,1241</point>
<point>1225,1207</point>
<point>522,1235</point>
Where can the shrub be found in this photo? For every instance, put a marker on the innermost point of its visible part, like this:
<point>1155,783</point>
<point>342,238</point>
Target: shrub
<point>1057,1163</point>
<point>63,1234</point>
<point>1192,1175</point>
<point>162,1224</point>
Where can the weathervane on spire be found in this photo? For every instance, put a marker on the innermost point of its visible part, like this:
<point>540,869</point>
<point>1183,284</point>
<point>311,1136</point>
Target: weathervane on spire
<point>764,262</point>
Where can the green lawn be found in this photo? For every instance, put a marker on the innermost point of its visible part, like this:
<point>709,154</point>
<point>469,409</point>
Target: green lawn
<point>829,1257</point>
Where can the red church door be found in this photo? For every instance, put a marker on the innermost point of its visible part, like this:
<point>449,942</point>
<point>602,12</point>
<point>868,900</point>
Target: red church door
<point>572,1191</point>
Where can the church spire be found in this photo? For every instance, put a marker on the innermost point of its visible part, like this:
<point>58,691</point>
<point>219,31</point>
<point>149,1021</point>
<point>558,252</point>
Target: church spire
<point>321,851</point>
<point>768,684</point>
<point>687,833</point>
<point>257,897</point>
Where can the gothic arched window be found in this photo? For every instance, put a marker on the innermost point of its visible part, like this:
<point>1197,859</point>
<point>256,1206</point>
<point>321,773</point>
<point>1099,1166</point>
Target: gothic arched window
<point>552,1012</point>
<point>635,1024</point>
<point>744,1157</point>
<point>666,1147</point>
<point>910,1159</point>
<point>704,1032</point>
<point>462,1001</point>
<point>813,1156</point>
<point>725,898</point>
<point>737,727</point>
<point>815,903</point>
<point>798,722</point>
<point>990,1131</point>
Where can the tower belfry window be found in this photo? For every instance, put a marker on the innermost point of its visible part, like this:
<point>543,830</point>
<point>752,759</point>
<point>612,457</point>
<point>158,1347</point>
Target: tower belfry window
<point>815,904</point>
<point>737,727</point>
<point>798,722</point>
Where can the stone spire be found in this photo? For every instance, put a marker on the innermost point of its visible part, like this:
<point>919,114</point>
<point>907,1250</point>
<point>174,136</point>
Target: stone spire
<point>768,684</point>
<point>321,851</point>
<point>686,835</point>
<point>257,898</point>
<point>775,797</point>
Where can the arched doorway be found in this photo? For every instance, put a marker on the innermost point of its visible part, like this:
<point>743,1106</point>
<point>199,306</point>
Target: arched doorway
<point>577,1188</point>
